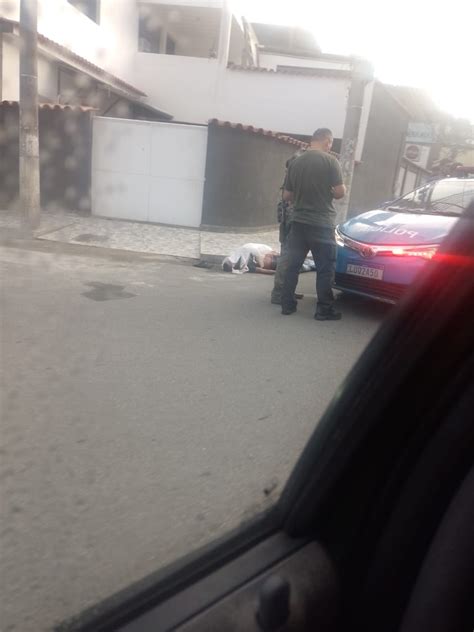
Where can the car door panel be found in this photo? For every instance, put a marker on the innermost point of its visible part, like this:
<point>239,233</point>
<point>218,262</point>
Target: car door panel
<point>313,597</point>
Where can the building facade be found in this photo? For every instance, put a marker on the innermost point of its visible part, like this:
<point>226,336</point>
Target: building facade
<point>194,61</point>
<point>191,62</point>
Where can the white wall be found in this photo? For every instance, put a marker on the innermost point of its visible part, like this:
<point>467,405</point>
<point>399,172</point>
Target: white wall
<point>364,119</point>
<point>183,86</point>
<point>196,90</point>
<point>47,72</point>
<point>110,44</point>
<point>272,60</point>
<point>148,171</point>
<point>211,4</point>
<point>11,70</point>
<point>47,78</point>
<point>294,104</point>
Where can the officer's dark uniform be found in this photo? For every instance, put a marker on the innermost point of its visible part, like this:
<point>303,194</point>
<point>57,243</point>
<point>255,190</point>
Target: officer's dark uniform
<point>284,211</point>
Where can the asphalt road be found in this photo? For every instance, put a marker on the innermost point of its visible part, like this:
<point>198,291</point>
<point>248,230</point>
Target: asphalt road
<point>136,428</point>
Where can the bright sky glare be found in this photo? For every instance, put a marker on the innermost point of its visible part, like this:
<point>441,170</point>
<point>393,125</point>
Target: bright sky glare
<point>421,43</point>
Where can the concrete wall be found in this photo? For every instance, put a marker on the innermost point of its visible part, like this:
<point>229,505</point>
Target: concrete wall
<point>375,178</point>
<point>183,86</point>
<point>47,79</point>
<point>47,72</point>
<point>11,69</point>
<point>65,158</point>
<point>206,4</point>
<point>9,157</point>
<point>364,119</point>
<point>148,171</point>
<point>294,104</point>
<point>244,173</point>
<point>272,60</point>
<point>196,90</point>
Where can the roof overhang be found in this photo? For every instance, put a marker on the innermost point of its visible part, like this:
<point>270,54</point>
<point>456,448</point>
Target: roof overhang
<point>54,106</point>
<point>60,53</point>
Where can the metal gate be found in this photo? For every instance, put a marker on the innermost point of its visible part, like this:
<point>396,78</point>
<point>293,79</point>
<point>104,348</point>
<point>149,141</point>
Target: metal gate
<point>148,171</point>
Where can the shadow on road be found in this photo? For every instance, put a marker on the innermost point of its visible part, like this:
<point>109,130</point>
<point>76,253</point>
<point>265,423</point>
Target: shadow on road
<point>363,307</point>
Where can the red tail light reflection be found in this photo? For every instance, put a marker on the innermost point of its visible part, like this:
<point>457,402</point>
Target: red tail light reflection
<point>455,260</point>
<point>425,253</point>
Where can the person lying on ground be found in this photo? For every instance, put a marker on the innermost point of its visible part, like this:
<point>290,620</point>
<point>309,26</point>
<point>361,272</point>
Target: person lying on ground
<point>251,258</point>
<point>257,258</point>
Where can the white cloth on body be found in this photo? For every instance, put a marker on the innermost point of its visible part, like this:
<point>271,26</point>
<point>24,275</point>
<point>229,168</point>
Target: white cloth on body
<point>242,255</point>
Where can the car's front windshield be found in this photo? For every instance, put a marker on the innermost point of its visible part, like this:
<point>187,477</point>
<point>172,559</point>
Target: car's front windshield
<point>451,197</point>
<point>446,197</point>
<point>413,202</point>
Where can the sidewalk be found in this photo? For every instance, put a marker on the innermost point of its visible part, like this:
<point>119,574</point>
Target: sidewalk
<point>70,228</point>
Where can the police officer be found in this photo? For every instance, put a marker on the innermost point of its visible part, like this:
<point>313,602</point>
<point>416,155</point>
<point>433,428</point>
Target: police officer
<point>313,181</point>
<point>285,212</point>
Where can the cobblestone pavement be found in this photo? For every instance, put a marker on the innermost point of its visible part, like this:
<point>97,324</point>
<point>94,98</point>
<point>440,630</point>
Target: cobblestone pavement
<point>136,236</point>
<point>224,243</point>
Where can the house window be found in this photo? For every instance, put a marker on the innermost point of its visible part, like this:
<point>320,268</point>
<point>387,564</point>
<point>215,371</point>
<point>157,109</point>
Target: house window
<point>91,8</point>
<point>151,34</point>
<point>178,30</point>
<point>149,38</point>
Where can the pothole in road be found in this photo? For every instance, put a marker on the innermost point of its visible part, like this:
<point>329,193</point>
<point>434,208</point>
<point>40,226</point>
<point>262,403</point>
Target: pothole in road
<point>106,291</point>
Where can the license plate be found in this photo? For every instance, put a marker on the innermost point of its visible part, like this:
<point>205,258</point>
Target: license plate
<point>365,271</point>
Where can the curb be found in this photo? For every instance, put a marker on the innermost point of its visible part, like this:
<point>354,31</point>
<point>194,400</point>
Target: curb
<point>60,247</point>
<point>214,259</point>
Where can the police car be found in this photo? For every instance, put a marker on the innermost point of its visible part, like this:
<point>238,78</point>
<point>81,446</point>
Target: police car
<point>379,253</point>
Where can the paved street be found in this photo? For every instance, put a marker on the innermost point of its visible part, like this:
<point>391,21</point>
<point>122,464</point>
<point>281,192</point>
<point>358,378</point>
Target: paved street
<point>146,407</point>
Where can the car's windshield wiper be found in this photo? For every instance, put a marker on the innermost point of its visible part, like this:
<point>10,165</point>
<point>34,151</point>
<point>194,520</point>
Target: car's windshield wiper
<point>448,213</point>
<point>401,209</point>
<point>423,211</point>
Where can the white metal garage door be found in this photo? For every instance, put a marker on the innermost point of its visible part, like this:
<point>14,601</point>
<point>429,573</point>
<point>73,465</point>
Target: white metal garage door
<point>147,171</point>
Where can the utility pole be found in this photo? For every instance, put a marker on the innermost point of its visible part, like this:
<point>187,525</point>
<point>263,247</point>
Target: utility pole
<point>362,73</point>
<point>29,142</point>
<point>1,64</point>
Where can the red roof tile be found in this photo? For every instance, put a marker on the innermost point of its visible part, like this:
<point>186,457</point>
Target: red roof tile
<point>259,130</point>
<point>55,106</point>
<point>305,72</point>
